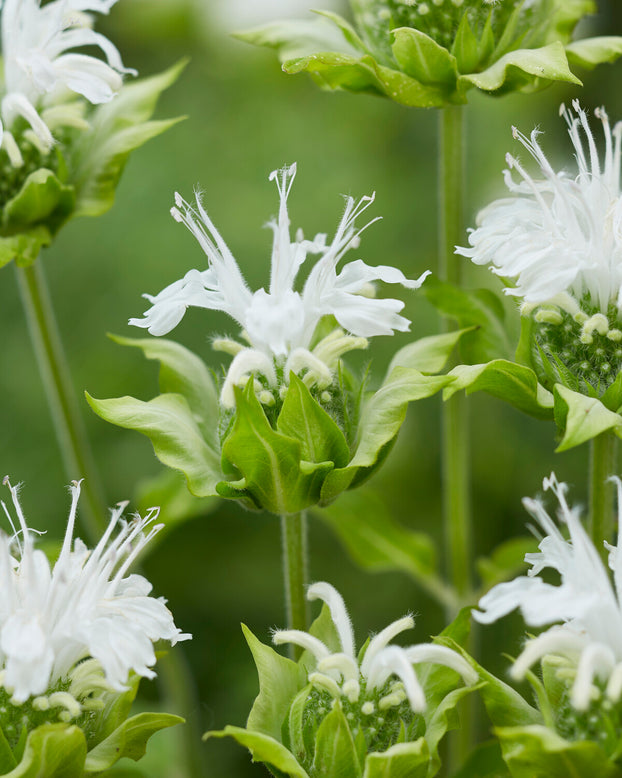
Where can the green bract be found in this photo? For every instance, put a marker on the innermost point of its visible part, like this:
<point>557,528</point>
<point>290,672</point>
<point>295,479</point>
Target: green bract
<point>79,175</point>
<point>430,54</point>
<point>283,458</point>
<point>89,746</point>
<point>297,733</point>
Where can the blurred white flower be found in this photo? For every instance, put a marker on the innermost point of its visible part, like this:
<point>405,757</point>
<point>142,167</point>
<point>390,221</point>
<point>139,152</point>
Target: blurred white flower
<point>55,620</point>
<point>585,600</point>
<point>560,236</point>
<point>279,324</point>
<point>40,68</point>
<point>342,675</point>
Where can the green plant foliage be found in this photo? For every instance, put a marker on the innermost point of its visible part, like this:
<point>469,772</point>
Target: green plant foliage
<point>433,60</point>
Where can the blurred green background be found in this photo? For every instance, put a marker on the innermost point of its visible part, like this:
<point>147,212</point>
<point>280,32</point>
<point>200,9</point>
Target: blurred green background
<point>245,118</point>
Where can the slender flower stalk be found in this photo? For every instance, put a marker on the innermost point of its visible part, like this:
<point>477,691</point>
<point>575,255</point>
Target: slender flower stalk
<point>587,602</point>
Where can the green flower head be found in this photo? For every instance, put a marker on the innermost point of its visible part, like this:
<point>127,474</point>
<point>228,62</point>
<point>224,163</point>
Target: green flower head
<point>431,53</point>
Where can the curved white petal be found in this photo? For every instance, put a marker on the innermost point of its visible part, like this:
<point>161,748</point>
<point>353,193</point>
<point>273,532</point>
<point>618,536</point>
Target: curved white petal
<point>328,594</point>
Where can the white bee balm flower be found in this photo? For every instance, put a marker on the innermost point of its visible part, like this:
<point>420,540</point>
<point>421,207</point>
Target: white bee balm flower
<point>342,675</point>
<point>279,324</point>
<point>55,620</point>
<point>40,66</point>
<point>586,601</point>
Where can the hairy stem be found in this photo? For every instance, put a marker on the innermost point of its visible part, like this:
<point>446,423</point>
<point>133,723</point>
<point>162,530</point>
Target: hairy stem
<point>603,464</point>
<point>294,536</point>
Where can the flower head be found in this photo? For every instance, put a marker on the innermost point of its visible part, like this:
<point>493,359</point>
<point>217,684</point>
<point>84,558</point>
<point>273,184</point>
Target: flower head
<point>586,602</point>
<point>41,68</point>
<point>280,323</point>
<point>367,682</point>
<point>80,625</point>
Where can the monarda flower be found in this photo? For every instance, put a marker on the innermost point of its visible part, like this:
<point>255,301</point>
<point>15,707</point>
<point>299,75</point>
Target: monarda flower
<point>382,711</point>
<point>558,239</point>
<point>279,325</point>
<point>75,637</point>
<point>430,54</point>
<point>581,653</point>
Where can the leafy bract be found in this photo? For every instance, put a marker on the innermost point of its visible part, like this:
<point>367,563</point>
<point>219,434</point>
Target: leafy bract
<point>403,760</point>
<point>582,418</point>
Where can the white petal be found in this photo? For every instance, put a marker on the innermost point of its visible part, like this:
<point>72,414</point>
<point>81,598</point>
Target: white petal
<point>328,594</point>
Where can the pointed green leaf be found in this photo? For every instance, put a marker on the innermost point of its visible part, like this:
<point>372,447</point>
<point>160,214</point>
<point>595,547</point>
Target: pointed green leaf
<point>42,198</point>
<point>270,462</point>
<point>264,749</point>
<point>183,372</point>
<point>25,246</point>
<point>382,416</point>
<point>7,759</point>
<point>539,752</point>
<point>519,68</point>
<point>442,718</point>
<point>115,711</point>
<point>404,760</point>
<point>297,743</point>
<point>117,128</point>
<point>129,740</point>
<point>335,752</point>
<point>421,57</point>
<point>52,751</point>
<point>582,418</point>
<point>516,384</point>
<point>465,48</point>
<point>506,561</point>
<point>428,355</point>
<point>170,425</point>
<point>280,680</point>
<point>590,52</point>
<point>478,309</point>
<point>323,628</point>
<point>303,419</point>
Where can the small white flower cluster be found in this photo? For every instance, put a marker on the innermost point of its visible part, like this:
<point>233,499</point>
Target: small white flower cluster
<point>42,73</point>
<point>343,677</point>
<point>83,624</point>
<point>586,601</point>
<point>279,324</point>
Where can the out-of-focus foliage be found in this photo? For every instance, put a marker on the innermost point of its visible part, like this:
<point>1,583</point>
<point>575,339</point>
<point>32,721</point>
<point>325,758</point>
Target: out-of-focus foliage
<point>245,119</point>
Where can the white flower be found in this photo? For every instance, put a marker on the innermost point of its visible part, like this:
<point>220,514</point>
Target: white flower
<point>586,602</point>
<point>40,66</point>
<point>280,323</point>
<point>85,607</point>
<point>342,675</point>
<point>559,236</point>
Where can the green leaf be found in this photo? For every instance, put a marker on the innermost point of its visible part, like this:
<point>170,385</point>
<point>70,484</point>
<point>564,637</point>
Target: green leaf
<point>264,749</point>
<point>347,30</point>
<point>519,68</point>
<point>335,752</point>
<point>484,761</point>
<point>404,760</point>
<point>465,48</point>
<point>478,309</point>
<point>581,418</point>
<point>297,38</point>
<point>303,419</point>
<point>428,355</point>
<point>590,52</point>
<point>117,128</point>
<point>269,462</point>
<point>538,752</point>
<point>42,198</point>
<point>382,416</point>
<point>7,759</point>
<point>52,751</point>
<point>421,57</point>
<point>116,710</point>
<point>442,718</point>
<point>323,628</point>
<point>177,440</point>
<point>300,738</point>
<point>183,372</point>
<point>25,246</point>
<point>376,542</point>
<point>129,740</point>
<point>280,680</point>
<point>516,384</point>
<point>333,70</point>
<point>506,561</point>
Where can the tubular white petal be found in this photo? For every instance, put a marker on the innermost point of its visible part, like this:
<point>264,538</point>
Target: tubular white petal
<point>343,664</point>
<point>441,655</point>
<point>596,660</point>
<point>557,640</point>
<point>328,594</point>
<point>393,660</point>
<point>248,361</point>
<point>302,639</point>
<point>379,641</point>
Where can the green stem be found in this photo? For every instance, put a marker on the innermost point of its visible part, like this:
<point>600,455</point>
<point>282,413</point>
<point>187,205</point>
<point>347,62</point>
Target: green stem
<point>68,424</point>
<point>455,426</point>
<point>603,464</point>
<point>294,535</point>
